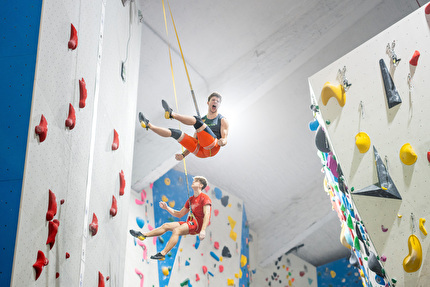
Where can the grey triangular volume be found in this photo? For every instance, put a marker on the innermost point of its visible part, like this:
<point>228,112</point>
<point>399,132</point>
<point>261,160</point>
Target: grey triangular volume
<point>321,140</point>
<point>393,97</point>
<point>384,177</point>
<point>385,187</point>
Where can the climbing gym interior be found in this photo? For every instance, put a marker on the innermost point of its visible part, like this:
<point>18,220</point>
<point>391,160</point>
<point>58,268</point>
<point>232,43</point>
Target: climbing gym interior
<point>322,182</point>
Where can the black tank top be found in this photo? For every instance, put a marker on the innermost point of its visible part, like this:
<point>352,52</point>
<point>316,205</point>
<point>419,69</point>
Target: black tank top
<point>214,124</point>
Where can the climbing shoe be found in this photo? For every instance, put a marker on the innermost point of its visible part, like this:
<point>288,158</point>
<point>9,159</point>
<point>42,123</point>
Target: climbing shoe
<point>158,256</point>
<point>167,110</point>
<point>143,121</point>
<point>137,234</point>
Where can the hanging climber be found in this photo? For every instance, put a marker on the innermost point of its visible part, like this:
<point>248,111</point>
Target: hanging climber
<point>196,223</point>
<point>211,130</point>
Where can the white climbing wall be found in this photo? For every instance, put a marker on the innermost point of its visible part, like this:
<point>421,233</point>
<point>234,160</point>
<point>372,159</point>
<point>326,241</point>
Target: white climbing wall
<point>79,165</point>
<point>388,130</point>
<point>218,231</point>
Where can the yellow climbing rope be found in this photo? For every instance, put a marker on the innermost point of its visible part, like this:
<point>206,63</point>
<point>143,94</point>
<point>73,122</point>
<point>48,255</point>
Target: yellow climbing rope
<point>174,87</point>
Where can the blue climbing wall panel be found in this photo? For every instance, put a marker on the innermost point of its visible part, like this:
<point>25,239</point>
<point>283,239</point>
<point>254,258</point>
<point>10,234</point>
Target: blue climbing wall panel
<point>338,273</point>
<point>173,186</point>
<point>244,281</point>
<point>19,32</point>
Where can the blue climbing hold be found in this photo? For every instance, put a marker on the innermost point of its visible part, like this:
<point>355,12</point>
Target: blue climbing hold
<point>197,242</point>
<point>140,222</point>
<point>218,193</point>
<point>313,126</point>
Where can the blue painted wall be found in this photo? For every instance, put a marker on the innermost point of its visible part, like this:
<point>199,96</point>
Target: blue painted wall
<point>19,32</point>
<point>338,273</point>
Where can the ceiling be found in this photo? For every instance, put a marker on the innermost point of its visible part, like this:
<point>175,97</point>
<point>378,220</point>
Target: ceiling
<point>258,56</point>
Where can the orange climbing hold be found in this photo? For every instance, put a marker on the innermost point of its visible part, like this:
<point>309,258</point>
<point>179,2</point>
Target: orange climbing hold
<point>414,60</point>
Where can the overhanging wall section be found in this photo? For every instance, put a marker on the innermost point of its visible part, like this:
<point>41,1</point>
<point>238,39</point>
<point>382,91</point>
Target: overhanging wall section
<point>387,221</point>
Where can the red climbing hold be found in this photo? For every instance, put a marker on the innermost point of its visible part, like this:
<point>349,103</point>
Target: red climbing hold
<point>428,156</point>
<point>71,120</point>
<point>94,225</point>
<point>52,206</point>
<point>121,183</point>
<point>221,268</point>
<point>67,255</point>
<point>107,278</point>
<point>197,277</point>
<point>427,9</point>
<point>101,280</point>
<point>73,42</point>
<point>216,245</point>
<point>57,275</point>
<point>302,273</point>
<point>40,263</point>
<point>52,232</point>
<point>205,269</point>
<point>414,60</point>
<point>82,93</point>
<point>114,207</point>
<point>42,129</point>
<point>115,144</point>
<point>62,201</point>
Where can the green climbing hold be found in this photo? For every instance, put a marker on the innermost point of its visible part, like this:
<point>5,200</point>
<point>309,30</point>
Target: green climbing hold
<point>357,244</point>
<point>349,222</point>
<point>185,282</point>
<point>393,280</point>
<point>327,122</point>
<point>352,188</point>
<point>342,207</point>
<point>366,258</point>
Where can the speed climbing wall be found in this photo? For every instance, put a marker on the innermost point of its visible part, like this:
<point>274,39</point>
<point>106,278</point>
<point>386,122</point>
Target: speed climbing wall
<point>75,193</point>
<point>373,141</point>
<point>221,259</point>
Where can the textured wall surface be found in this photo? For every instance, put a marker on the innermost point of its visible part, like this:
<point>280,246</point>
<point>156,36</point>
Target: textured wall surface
<point>388,222</point>
<point>78,165</point>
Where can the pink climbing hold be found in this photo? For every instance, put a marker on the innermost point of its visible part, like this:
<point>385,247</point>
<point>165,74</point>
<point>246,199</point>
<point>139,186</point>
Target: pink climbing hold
<point>205,269</point>
<point>216,245</point>
<point>115,144</point>
<point>121,182</point>
<point>41,262</point>
<point>42,129</point>
<point>52,233</point>
<point>52,206</point>
<point>82,93</point>
<point>73,42</point>
<point>216,212</point>
<point>383,258</point>
<point>221,268</point>
<point>427,9</point>
<point>101,280</point>
<point>114,207</point>
<point>140,274</point>
<point>383,228</point>
<point>414,60</point>
<point>145,252</point>
<point>197,277</point>
<point>71,120</point>
<point>151,185</point>
<point>142,198</point>
<point>94,225</point>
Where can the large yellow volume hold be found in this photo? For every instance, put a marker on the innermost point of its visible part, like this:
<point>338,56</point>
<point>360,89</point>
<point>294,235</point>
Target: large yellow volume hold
<point>413,261</point>
<point>329,91</point>
<point>407,154</point>
<point>362,141</point>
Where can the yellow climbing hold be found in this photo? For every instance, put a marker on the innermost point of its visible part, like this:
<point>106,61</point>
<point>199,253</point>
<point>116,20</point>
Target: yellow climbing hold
<point>164,198</point>
<point>172,203</point>
<point>343,235</point>
<point>329,91</point>
<point>231,221</point>
<point>243,260</point>
<point>233,235</point>
<point>413,260</point>
<point>332,274</point>
<point>361,273</point>
<point>230,282</point>
<point>165,271</point>
<point>167,181</point>
<point>362,141</point>
<point>407,154</point>
<point>399,215</point>
<point>229,205</point>
<point>422,228</point>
